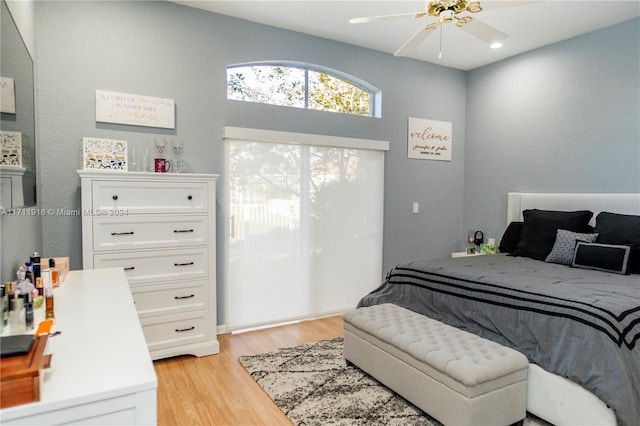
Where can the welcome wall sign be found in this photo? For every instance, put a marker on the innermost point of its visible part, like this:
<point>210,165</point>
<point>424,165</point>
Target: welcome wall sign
<point>135,110</point>
<point>429,139</point>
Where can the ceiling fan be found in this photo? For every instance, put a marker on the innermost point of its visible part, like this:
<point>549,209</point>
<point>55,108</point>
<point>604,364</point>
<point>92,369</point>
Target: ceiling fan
<point>446,11</point>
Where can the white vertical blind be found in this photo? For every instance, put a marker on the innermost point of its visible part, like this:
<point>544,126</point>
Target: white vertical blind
<point>305,224</point>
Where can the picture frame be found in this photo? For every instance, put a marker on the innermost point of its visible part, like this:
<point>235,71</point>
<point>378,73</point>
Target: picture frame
<point>12,149</point>
<point>104,154</point>
<point>7,95</point>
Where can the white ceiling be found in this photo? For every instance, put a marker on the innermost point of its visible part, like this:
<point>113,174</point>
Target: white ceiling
<point>530,24</point>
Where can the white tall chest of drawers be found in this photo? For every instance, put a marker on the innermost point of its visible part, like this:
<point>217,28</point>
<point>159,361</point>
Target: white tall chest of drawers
<point>159,227</point>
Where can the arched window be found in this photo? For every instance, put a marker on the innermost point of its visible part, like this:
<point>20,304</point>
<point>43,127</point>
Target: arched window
<point>302,86</point>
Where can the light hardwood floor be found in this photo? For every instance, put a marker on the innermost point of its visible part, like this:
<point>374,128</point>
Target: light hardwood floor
<point>217,390</point>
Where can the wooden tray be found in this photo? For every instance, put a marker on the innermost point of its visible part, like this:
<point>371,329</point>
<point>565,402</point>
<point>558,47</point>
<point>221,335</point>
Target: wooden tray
<point>21,375</point>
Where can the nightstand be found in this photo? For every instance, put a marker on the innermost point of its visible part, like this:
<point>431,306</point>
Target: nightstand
<point>465,254</point>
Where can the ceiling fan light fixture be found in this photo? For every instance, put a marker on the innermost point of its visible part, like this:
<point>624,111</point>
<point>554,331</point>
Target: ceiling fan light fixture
<point>474,7</point>
<point>446,16</point>
<point>445,11</point>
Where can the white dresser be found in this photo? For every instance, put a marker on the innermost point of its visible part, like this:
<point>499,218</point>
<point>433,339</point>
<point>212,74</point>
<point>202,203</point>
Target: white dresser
<point>159,227</point>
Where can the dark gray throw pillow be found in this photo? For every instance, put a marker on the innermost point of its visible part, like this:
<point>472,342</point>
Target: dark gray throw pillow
<point>540,228</point>
<point>565,246</point>
<point>602,257</point>
<point>615,228</point>
<point>511,237</point>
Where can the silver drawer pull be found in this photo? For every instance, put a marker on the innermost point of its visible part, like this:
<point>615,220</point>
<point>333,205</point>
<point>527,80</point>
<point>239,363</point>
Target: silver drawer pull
<point>182,230</point>
<point>183,264</point>
<point>180,330</point>
<point>122,233</point>
<point>184,297</point>
<point>129,268</point>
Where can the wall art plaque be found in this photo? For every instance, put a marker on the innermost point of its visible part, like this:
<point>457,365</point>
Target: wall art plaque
<point>429,139</point>
<point>135,110</point>
<point>7,95</point>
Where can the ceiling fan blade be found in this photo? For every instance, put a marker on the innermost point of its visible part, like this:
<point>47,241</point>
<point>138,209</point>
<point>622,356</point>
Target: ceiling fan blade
<point>484,32</point>
<point>490,5</point>
<point>415,40</point>
<point>370,19</point>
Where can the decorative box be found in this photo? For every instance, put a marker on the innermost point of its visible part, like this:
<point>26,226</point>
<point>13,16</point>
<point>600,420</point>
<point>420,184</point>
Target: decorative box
<point>104,154</point>
<point>15,151</point>
<point>21,375</point>
<point>62,265</point>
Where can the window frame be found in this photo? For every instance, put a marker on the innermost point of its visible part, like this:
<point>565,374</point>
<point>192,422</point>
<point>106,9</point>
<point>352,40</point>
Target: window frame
<point>375,95</point>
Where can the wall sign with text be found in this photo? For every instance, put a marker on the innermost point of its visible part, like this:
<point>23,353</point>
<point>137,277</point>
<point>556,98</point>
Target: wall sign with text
<point>135,110</point>
<point>429,139</point>
<point>7,95</point>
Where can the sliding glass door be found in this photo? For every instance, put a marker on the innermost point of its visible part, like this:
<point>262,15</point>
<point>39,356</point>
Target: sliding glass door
<point>305,228</point>
<point>264,268</point>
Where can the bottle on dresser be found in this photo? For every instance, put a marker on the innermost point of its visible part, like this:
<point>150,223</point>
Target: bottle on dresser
<point>29,272</point>
<point>28,310</point>
<point>53,273</point>
<point>40,286</point>
<point>17,315</point>
<point>48,296</point>
<point>22,283</point>
<point>8,289</point>
<point>35,260</point>
<point>25,290</point>
<point>3,306</point>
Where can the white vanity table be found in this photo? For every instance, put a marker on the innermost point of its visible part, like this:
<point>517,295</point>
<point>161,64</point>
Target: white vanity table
<point>101,371</point>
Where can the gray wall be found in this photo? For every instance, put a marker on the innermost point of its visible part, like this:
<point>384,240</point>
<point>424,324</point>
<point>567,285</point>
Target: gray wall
<point>563,118</point>
<point>21,235</point>
<point>165,50</point>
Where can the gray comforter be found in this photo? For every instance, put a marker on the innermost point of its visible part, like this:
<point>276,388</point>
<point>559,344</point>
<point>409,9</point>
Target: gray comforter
<point>579,324</point>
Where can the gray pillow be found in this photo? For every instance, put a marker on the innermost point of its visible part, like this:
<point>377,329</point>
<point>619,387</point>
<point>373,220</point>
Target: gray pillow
<point>565,246</point>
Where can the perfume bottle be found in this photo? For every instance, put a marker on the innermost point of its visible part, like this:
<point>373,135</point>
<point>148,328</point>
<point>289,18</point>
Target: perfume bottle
<point>48,300</point>
<point>28,311</point>
<point>40,286</point>
<point>17,315</point>
<point>7,288</point>
<point>35,260</point>
<point>29,274</point>
<point>3,307</point>
<point>54,272</point>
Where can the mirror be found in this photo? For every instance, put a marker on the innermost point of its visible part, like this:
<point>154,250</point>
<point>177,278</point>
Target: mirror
<point>17,121</point>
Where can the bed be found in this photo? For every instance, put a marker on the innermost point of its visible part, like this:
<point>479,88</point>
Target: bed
<point>577,323</point>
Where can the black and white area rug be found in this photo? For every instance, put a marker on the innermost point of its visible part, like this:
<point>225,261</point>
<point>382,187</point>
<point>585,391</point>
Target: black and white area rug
<point>313,385</point>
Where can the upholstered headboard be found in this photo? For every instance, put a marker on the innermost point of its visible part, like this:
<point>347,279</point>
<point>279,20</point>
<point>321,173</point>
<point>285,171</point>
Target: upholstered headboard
<point>628,203</point>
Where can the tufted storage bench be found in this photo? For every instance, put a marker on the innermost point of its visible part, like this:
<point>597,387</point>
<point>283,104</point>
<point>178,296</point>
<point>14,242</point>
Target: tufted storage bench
<point>454,376</point>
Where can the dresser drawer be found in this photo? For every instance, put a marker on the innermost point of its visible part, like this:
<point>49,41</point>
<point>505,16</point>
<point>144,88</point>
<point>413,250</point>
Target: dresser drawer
<point>149,196</point>
<point>143,232</point>
<point>157,265</point>
<point>176,332</point>
<point>170,298</point>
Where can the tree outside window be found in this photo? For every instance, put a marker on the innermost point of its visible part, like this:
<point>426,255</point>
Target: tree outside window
<point>299,87</point>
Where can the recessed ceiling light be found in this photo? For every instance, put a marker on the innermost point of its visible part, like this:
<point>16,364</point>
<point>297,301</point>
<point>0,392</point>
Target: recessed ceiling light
<point>496,45</point>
